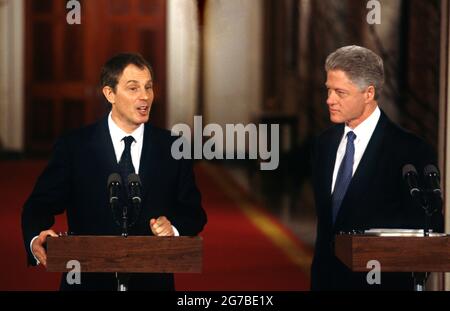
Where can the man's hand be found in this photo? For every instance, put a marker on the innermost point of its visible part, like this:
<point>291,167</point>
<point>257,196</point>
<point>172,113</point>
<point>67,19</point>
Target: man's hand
<point>38,246</point>
<point>161,226</point>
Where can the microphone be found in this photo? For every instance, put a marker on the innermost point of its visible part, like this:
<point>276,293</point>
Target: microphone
<point>432,179</point>
<point>114,183</point>
<point>411,178</point>
<point>432,183</point>
<point>134,184</point>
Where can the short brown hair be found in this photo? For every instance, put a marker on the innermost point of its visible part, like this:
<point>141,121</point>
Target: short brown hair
<point>114,67</point>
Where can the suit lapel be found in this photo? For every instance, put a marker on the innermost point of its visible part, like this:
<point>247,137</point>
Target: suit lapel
<point>330,160</point>
<point>103,149</point>
<point>149,158</point>
<point>325,166</point>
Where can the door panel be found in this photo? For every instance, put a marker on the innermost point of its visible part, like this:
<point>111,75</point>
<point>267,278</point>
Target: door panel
<point>63,62</point>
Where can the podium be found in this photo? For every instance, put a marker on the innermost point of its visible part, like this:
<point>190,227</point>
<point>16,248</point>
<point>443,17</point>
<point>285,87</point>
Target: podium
<point>395,253</point>
<point>126,254</point>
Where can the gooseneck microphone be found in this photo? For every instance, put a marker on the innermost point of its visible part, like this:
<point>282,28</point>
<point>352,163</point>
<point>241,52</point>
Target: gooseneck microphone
<point>114,186</point>
<point>432,179</point>
<point>411,178</point>
<point>433,188</point>
<point>134,187</point>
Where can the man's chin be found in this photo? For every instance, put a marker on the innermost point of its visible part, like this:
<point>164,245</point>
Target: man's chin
<point>336,120</point>
<point>142,120</point>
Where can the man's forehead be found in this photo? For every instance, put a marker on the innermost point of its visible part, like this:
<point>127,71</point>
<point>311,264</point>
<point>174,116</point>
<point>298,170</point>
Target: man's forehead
<point>134,73</point>
<point>337,76</point>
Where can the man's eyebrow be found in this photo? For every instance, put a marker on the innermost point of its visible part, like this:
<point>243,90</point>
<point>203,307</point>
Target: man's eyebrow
<point>135,81</point>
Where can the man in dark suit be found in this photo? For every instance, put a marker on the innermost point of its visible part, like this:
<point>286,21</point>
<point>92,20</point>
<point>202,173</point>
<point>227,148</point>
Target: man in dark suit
<point>357,170</point>
<point>75,179</point>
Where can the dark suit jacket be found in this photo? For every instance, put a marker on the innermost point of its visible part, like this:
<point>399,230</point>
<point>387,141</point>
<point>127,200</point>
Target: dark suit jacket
<point>377,197</point>
<point>75,181</point>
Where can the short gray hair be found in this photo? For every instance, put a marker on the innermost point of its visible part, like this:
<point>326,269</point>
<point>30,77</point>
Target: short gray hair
<point>362,66</point>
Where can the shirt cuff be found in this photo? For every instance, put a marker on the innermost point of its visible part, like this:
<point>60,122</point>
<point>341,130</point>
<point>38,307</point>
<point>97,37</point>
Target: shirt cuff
<point>175,231</point>
<point>31,243</point>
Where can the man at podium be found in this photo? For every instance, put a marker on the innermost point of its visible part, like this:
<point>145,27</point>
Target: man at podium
<point>123,142</point>
<point>357,170</point>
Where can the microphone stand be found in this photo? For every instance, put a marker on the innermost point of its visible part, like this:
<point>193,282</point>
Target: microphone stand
<point>420,278</point>
<point>114,187</point>
<point>125,221</point>
<point>122,281</point>
<point>133,184</point>
<point>123,278</point>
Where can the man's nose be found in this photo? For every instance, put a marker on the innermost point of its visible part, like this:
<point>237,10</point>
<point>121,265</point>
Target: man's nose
<point>331,99</point>
<point>145,94</point>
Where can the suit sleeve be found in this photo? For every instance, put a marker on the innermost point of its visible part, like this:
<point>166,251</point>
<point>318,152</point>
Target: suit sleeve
<point>48,197</point>
<point>189,216</point>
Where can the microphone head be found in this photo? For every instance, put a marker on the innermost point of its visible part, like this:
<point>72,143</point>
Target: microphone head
<point>114,178</point>
<point>408,169</point>
<point>431,170</point>
<point>432,179</point>
<point>134,178</point>
<point>134,183</point>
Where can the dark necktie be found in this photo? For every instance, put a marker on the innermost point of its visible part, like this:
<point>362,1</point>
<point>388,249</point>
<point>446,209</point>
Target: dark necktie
<point>344,175</point>
<point>126,164</point>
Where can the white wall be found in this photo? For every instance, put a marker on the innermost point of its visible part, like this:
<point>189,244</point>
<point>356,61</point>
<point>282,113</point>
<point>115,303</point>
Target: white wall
<point>12,74</point>
<point>183,59</point>
<point>233,60</point>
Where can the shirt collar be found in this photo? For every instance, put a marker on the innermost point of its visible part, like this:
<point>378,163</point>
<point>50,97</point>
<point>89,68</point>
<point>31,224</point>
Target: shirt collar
<point>366,128</point>
<point>117,134</point>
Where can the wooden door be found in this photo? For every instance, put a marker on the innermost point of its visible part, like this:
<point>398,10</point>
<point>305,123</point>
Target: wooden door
<point>63,61</point>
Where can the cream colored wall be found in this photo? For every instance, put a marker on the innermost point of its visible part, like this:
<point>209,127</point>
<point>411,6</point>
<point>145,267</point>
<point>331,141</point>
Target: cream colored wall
<point>183,59</point>
<point>3,74</point>
<point>12,74</point>
<point>233,61</point>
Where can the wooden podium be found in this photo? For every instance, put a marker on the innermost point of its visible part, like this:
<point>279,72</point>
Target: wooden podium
<point>395,254</point>
<point>126,254</point>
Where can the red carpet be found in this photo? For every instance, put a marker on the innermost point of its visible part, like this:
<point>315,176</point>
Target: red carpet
<point>244,247</point>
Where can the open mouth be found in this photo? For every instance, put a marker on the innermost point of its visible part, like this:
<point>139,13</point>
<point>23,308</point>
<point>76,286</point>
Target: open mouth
<point>143,110</point>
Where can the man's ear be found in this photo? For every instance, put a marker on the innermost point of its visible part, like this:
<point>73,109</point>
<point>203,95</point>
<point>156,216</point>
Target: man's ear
<point>109,94</point>
<point>370,93</point>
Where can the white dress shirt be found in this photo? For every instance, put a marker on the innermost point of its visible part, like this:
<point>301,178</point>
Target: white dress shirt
<point>363,134</point>
<point>117,135</point>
